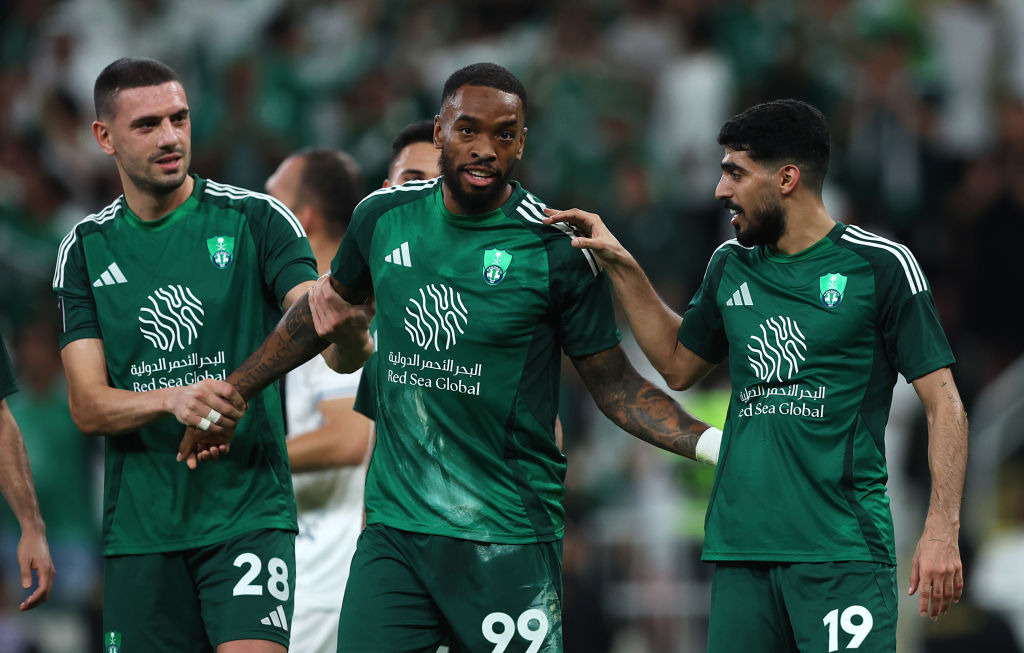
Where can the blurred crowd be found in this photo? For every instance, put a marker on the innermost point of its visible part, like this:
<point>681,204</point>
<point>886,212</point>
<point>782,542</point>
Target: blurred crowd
<point>925,99</point>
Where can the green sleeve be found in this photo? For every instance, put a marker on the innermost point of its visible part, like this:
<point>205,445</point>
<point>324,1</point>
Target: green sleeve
<point>284,252</point>
<point>914,339</point>
<point>702,330</point>
<point>582,300</point>
<point>75,299</point>
<point>7,383</point>
<point>350,265</point>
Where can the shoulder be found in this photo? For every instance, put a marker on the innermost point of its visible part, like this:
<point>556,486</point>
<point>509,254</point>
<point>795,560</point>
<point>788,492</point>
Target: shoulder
<point>383,200</point>
<point>730,250</point>
<point>90,224</point>
<point>557,238</point>
<point>248,202</point>
<point>888,258</point>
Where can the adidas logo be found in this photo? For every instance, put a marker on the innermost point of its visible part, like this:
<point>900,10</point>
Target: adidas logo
<point>276,618</point>
<point>111,276</point>
<point>741,297</point>
<point>400,256</point>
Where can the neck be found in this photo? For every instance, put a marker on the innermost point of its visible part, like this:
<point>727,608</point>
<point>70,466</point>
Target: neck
<point>452,205</point>
<point>148,207</point>
<point>324,248</point>
<point>804,227</point>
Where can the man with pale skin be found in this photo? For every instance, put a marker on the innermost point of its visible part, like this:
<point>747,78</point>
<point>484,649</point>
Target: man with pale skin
<point>816,319</point>
<point>17,487</point>
<point>328,441</point>
<point>162,294</point>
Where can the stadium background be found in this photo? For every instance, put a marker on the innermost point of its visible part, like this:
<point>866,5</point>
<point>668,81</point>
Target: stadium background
<point>926,104</point>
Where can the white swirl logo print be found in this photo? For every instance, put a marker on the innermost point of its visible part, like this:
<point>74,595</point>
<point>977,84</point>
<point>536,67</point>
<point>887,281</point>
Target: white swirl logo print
<point>437,318</point>
<point>777,353</point>
<point>172,318</point>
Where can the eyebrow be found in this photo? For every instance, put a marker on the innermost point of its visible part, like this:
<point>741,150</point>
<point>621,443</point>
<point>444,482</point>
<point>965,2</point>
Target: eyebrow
<point>729,166</point>
<point>144,119</point>
<point>473,120</point>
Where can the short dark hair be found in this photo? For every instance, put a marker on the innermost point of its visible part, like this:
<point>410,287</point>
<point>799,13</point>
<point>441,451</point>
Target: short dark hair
<point>421,131</point>
<point>781,132</point>
<point>330,180</point>
<point>484,74</point>
<point>128,73</point>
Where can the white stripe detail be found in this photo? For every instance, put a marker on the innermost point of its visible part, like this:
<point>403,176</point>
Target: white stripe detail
<point>915,267</point>
<point>406,260</point>
<point>108,280</point>
<point>265,621</point>
<point>116,271</point>
<point>747,301</point>
<point>536,208</point>
<point>284,620</point>
<point>416,184</point>
<point>109,213</point>
<point>275,619</point>
<point>915,277</point>
<point>223,190</point>
<point>730,301</point>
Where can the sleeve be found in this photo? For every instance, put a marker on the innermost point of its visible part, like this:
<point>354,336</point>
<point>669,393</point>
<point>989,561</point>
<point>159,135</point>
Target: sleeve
<point>366,395</point>
<point>7,383</point>
<point>350,266</point>
<point>582,295</point>
<point>702,330</point>
<point>75,300</point>
<point>914,340</point>
<point>283,248</point>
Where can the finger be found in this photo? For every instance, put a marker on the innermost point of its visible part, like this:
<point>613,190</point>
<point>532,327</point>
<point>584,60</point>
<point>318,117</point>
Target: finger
<point>958,584</point>
<point>187,445</point>
<point>36,598</point>
<point>192,462</point>
<point>924,603</point>
<point>204,424</point>
<point>915,577</point>
<point>213,453</point>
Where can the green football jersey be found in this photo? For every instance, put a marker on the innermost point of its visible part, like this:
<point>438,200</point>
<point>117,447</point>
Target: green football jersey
<point>8,386</point>
<point>472,315</point>
<point>815,342</point>
<point>178,300</point>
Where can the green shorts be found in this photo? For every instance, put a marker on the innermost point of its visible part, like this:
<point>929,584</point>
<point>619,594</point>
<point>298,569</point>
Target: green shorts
<point>196,599</point>
<point>409,592</point>
<point>805,607</point>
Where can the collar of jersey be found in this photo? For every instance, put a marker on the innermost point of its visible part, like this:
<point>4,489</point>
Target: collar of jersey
<point>481,220</point>
<point>812,251</point>
<point>171,218</point>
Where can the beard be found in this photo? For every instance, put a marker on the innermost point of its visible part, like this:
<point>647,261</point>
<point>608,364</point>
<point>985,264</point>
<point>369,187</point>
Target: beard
<point>157,185</point>
<point>767,222</point>
<point>476,200</point>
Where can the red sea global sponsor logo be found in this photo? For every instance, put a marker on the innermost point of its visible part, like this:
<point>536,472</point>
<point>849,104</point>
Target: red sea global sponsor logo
<point>796,401</point>
<point>445,375</point>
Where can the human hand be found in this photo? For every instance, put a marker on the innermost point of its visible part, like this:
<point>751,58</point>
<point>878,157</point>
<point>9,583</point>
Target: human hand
<point>344,324</point>
<point>211,405</point>
<point>937,570</point>
<point>593,234</point>
<point>34,553</point>
<point>198,446</point>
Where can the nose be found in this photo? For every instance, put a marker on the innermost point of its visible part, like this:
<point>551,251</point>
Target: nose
<point>483,148</point>
<point>168,134</point>
<point>722,190</point>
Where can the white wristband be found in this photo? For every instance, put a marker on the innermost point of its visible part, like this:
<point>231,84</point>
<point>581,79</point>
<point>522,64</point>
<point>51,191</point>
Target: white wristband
<point>708,444</point>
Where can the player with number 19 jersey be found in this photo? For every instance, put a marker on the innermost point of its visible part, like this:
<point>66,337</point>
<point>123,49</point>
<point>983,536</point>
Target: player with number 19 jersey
<point>815,341</point>
<point>165,297</point>
<point>471,314</point>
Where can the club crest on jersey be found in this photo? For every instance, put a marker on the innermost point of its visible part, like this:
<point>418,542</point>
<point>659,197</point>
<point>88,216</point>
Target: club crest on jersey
<point>832,287</point>
<point>496,262</point>
<point>112,642</point>
<point>222,250</point>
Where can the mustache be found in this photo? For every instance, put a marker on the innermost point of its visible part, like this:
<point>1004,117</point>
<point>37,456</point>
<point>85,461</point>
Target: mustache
<point>176,149</point>
<point>732,206</point>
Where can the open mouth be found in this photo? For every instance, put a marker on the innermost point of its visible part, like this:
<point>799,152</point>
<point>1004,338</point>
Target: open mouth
<point>479,177</point>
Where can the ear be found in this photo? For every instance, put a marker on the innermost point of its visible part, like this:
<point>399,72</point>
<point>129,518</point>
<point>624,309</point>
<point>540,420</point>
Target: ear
<point>102,134</point>
<point>387,182</point>
<point>788,179</point>
<point>438,132</point>
<point>522,144</point>
<point>309,219</point>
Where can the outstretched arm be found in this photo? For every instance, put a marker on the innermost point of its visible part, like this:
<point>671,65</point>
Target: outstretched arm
<point>17,487</point>
<point>936,567</point>
<point>642,409</point>
<point>293,342</point>
<point>652,322</point>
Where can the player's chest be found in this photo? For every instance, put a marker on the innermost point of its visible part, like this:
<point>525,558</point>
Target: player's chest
<point>182,275</point>
<point>814,306</point>
<point>485,284</point>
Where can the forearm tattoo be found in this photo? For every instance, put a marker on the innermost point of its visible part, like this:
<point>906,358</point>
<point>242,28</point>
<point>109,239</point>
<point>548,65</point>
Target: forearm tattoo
<point>293,342</point>
<point>638,406</point>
